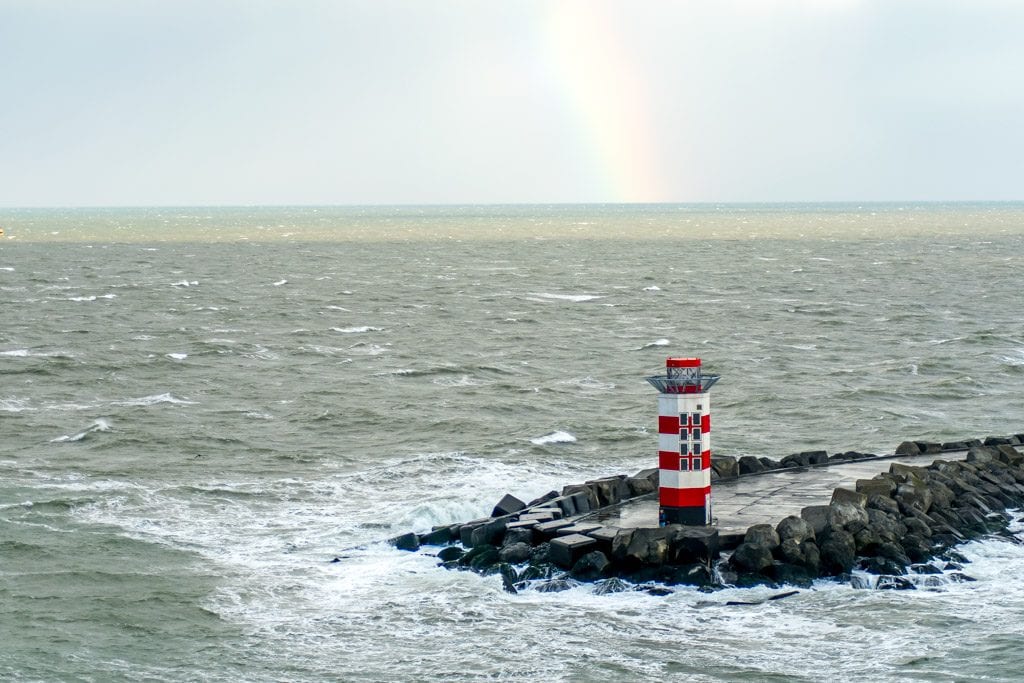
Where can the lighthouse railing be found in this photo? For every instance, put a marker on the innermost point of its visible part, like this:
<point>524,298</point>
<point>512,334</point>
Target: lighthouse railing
<point>683,385</point>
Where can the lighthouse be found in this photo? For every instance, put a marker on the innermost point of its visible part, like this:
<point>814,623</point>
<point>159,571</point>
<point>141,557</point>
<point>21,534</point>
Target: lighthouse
<point>684,442</point>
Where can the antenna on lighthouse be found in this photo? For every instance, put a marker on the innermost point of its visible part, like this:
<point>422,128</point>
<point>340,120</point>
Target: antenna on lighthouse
<point>684,442</point>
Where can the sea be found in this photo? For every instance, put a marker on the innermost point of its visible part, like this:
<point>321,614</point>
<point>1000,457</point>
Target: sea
<point>202,408</point>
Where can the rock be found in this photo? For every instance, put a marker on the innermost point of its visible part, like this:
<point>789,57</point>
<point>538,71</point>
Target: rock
<point>439,536</point>
<point>882,565</point>
<point>804,554</point>
<point>749,464</point>
<point>541,554</point>
<point>883,504</point>
<point>581,501</point>
<point>689,545</point>
<point>480,558</point>
<point>751,557</point>
<point>816,516</point>
<point>878,486</point>
<point>792,574</point>
<point>647,547</point>
<point>589,491</point>
<point>898,583</point>
<point>841,495</point>
<point>555,585</point>
<point>838,553</point>
<point>516,553</point>
<point>908,448</point>
<point>916,547</point>
<point>1000,441</point>
<point>762,534</point>
<point>643,482</point>
<point>911,497</point>
<point>450,553</point>
<point>612,585</point>
<point>549,496</point>
<point>794,528</point>
<point>981,454</point>
<point>591,566</point>
<point>796,460</point>
<point>730,540</point>
<point>816,457</point>
<point>891,551</point>
<point>605,536</point>
<point>620,545</point>
<point>725,465</point>
<point>490,533</point>
<point>768,463</point>
<point>566,550</point>
<point>885,526</point>
<point>508,578</point>
<point>518,535</point>
<point>928,447</point>
<point>610,490</point>
<point>409,541</point>
<point>508,505</point>
<point>916,525</point>
<point>846,517</point>
<point>550,529</point>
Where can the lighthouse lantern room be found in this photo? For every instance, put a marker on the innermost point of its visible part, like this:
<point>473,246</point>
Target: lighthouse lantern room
<point>684,442</point>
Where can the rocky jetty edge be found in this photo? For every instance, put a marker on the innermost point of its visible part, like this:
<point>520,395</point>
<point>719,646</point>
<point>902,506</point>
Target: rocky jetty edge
<point>906,521</point>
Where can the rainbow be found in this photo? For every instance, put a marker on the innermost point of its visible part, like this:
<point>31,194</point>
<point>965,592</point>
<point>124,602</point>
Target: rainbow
<point>610,98</point>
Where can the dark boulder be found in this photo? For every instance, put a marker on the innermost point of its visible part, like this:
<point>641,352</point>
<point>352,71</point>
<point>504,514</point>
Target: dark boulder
<point>769,464</point>
<point>522,534</point>
<point>689,544</point>
<point>908,448</point>
<point>749,464</point>
<point>752,557</point>
<point>841,495</point>
<point>895,583</point>
<point>490,533</point>
<point>589,492</point>
<point>590,566</point>
<point>838,553</point>
<point>611,490</point>
<point>726,466</point>
<point>508,505</point>
<point>794,528</point>
<point>882,486</point>
<point>450,553</point>
<point>917,548</point>
<point>442,535</point>
<point>612,585</point>
<point>816,516</point>
<point>409,541</point>
<point>566,550</point>
<point>883,504</point>
<point>693,574</point>
<point>792,574</point>
<point>643,482</point>
<point>481,558</point>
<point>647,547</point>
<point>762,534</point>
<point>515,553</point>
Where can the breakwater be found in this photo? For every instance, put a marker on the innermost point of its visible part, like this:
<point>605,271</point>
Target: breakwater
<point>886,531</point>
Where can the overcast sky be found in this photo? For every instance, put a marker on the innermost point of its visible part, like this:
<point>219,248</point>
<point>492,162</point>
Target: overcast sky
<point>187,102</point>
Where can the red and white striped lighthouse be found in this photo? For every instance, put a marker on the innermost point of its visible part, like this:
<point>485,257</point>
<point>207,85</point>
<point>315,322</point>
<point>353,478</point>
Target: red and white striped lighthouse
<point>684,442</point>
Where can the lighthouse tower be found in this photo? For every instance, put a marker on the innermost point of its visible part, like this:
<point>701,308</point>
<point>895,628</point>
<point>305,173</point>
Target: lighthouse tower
<point>684,442</point>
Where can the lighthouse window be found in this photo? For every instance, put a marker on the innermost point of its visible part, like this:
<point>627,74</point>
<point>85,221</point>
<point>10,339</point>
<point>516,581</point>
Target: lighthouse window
<point>684,465</point>
<point>696,435</point>
<point>696,418</point>
<point>697,464</point>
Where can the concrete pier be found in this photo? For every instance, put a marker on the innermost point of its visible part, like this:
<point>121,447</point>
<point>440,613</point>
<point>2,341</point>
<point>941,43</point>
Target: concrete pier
<point>765,497</point>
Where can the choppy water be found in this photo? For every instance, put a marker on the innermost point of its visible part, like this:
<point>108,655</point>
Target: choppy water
<point>200,408</point>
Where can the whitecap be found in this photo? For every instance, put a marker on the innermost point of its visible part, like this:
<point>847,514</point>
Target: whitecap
<point>652,288</point>
<point>13,405</point>
<point>280,282</point>
<point>154,400</point>
<point>575,298</point>
<point>656,342</point>
<point>16,353</point>
<point>553,437</point>
<point>185,283</point>
<point>358,329</point>
<point>177,356</point>
<point>7,269</point>
<point>99,425</point>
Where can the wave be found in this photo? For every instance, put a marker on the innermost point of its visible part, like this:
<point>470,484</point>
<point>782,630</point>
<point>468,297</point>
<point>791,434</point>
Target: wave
<point>92,297</point>
<point>14,405</point>
<point>185,283</point>
<point>280,282</point>
<point>357,330</point>
<point>553,437</point>
<point>652,288</point>
<point>655,343</point>
<point>177,356</point>
<point>575,298</point>
<point>99,425</point>
<point>153,400</point>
